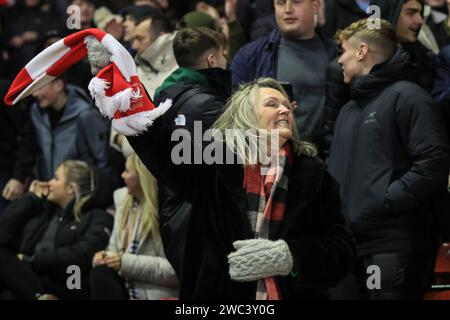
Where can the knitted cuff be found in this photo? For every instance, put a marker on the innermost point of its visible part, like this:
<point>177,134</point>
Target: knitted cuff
<point>259,259</point>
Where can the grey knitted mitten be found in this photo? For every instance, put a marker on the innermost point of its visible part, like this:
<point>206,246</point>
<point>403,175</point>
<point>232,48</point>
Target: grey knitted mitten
<point>257,259</point>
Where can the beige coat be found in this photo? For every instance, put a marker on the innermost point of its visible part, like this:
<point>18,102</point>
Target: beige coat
<point>156,63</point>
<point>149,270</point>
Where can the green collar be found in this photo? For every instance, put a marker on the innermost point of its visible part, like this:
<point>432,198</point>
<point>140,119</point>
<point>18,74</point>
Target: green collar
<point>185,75</point>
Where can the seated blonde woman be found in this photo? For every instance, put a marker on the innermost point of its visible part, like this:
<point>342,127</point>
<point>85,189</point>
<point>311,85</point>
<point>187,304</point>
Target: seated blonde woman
<point>60,224</point>
<point>134,265</point>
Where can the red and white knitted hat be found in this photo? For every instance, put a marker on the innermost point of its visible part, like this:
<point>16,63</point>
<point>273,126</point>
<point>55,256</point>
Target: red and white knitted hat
<point>117,90</point>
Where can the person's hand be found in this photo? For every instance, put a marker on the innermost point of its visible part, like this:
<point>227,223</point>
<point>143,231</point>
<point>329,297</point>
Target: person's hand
<point>113,261</point>
<point>99,258</point>
<point>13,189</point>
<point>16,41</point>
<point>30,36</point>
<point>230,10</point>
<point>209,10</point>
<point>40,188</point>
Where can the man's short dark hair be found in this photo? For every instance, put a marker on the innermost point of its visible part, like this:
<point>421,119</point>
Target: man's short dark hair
<point>159,24</point>
<point>190,44</point>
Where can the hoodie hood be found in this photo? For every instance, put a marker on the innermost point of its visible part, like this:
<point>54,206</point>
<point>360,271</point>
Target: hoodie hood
<point>390,9</point>
<point>398,68</point>
<point>159,55</point>
<point>182,75</point>
<point>214,78</point>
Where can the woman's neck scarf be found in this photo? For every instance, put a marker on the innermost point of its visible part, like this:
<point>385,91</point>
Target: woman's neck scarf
<point>266,189</point>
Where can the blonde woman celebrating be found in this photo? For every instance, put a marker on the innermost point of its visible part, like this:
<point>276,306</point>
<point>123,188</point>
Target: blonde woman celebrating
<point>256,232</point>
<point>134,265</point>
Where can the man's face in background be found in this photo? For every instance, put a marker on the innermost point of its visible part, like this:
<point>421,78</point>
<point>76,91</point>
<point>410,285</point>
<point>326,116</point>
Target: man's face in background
<point>409,22</point>
<point>129,24</point>
<point>48,94</point>
<point>142,38</point>
<point>296,18</point>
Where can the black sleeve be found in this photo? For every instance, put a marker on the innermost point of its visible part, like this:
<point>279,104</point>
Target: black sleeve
<point>160,147</point>
<point>423,137</point>
<point>323,255</point>
<point>27,153</point>
<point>15,216</point>
<point>94,239</point>
<point>241,67</point>
<point>154,150</point>
<point>174,216</point>
<point>337,94</point>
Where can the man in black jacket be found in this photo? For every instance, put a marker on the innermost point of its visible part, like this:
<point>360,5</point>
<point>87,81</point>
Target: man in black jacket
<point>390,155</point>
<point>407,18</point>
<point>199,89</point>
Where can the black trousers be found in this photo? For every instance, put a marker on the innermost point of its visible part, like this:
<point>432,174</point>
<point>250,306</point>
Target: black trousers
<point>403,276</point>
<point>106,284</point>
<point>18,280</point>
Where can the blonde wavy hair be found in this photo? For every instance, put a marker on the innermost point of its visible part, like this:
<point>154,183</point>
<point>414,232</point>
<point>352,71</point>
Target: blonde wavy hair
<point>80,175</point>
<point>150,220</point>
<point>241,112</point>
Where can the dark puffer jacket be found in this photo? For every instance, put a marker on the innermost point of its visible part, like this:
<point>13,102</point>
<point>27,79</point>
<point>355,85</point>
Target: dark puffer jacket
<point>390,155</point>
<point>421,64</point>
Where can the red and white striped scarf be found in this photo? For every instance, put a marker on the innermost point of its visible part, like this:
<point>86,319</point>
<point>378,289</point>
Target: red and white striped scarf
<point>116,89</point>
<point>266,200</point>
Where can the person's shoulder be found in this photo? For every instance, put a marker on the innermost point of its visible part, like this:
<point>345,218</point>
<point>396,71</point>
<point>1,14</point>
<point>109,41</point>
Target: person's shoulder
<point>188,95</point>
<point>119,197</point>
<point>408,89</point>
<point>312,171</point>
<point>97,215</point>
<point>310,164</point>
<point>256,46</point>
<point>444,54</point>
<point>409,96</point>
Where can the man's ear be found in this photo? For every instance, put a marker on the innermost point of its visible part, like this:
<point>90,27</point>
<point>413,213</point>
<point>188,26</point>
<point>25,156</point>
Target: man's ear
<point>316,5</point>
<point>211,60</point>
<point>59,83</point>
<point>363,50</point>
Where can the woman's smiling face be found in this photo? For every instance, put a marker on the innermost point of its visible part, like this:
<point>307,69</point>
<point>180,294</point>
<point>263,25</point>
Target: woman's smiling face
<point>276,112</point>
